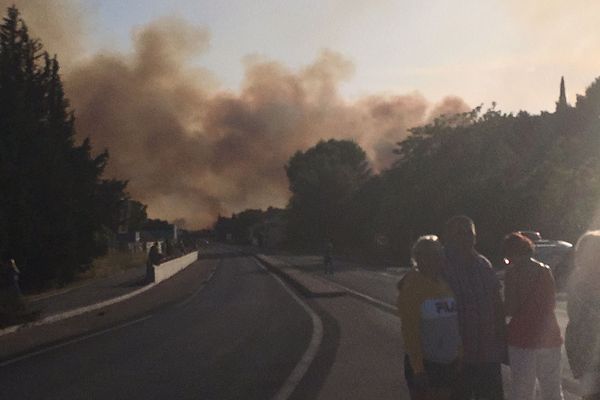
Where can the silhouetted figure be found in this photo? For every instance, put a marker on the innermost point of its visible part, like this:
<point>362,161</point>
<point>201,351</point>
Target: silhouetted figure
<point>480,311</point>
<point>328,257</point>
<point>154,258</point>
<point>11,299</point>
<point>14,274</point>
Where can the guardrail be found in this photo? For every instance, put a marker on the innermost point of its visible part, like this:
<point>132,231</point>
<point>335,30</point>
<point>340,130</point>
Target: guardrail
<point>171,267</point>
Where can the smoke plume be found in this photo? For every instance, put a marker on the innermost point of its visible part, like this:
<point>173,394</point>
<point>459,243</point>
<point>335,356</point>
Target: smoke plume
<point>190,150</point>
<point>60,24</point>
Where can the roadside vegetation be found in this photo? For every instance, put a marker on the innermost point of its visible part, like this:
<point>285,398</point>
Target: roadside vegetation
<point>113,263</point>
<point>58,214</point>
<point>508,172</point>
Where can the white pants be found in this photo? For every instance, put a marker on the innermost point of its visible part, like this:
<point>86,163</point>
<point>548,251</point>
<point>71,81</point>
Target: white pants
<point>528,364</point>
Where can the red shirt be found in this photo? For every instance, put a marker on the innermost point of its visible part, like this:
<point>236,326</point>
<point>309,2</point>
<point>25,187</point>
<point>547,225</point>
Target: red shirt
<point>534,325</point>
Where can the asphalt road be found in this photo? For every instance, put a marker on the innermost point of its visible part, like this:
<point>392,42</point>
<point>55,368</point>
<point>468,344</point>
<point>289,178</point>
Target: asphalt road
<point>240,337</point>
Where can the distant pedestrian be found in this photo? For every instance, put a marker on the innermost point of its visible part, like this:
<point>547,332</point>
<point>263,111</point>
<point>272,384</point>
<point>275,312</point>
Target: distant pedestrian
<point>480,311</point>
<point>533,333</point>
<point>430,331</point>
<point>15,275</point>
<point>11,275</point>
<point>11,298</point>
<point>154,258</point>
<point>328,257</point>
<point>582,338</point>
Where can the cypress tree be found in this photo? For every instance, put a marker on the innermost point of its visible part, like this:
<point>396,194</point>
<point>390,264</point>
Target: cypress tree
<point>53,197</point>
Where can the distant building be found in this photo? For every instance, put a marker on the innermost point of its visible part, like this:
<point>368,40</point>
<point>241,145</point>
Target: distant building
<point>561,104</point>
<point>143,240</point>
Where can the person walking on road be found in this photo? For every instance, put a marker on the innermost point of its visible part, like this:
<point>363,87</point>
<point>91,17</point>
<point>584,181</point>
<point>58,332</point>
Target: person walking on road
<point>582,337</point>
<point>480,311</point>
<point>430,330</point>
<point>533,334</point>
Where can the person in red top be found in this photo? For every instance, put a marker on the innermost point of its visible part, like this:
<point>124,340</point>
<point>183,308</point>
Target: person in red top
<point>533,335</point>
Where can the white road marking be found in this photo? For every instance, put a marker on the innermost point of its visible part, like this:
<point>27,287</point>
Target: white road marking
<point>77,311</point>
<point>197,291</point>
<point>79,339</point>
<point>310,353</point>
<point>368,298</point>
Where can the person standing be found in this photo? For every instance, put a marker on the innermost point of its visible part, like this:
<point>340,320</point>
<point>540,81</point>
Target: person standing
<point>582,337</point>
<point>154,258</point>
<point>430,330</point>
<point>480,311</point>
<point>533,334</point>
<point>14,274</point>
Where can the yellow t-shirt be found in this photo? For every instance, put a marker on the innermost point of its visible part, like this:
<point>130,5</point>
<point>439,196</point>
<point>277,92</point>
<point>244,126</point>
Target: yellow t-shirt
<point>429,320</point>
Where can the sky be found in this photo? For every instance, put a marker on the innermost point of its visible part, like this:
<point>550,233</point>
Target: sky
<point>510,52</point>
<point>201,103</point>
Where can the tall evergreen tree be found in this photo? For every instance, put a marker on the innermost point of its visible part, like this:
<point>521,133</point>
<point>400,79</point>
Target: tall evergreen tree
<point>53,198</point>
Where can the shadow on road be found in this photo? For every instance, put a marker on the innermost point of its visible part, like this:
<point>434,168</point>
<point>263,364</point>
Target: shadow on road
<point>213,256</point>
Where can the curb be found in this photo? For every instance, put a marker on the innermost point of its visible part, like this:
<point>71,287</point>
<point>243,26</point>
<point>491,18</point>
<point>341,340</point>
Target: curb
<point>75,312</point>
<point>81,310</point>
<point>306,284</point>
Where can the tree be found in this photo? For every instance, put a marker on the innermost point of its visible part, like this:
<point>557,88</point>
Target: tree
<point>322,180</point>
<point>54,200</point>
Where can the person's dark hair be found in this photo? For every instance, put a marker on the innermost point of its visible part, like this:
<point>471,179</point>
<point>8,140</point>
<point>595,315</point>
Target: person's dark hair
<point>451,225</point>
<point>516,245</point>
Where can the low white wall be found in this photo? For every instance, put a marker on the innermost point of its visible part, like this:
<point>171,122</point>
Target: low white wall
<point>171,267</point>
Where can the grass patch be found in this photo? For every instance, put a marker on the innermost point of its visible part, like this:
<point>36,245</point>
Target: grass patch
<point>113,263</point>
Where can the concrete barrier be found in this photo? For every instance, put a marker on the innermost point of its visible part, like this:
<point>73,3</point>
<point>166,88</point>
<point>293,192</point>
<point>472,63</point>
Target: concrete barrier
<point>171,267</point>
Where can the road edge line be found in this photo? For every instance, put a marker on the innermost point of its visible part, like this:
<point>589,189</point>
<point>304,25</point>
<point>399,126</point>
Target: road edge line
<point>378,303</point>
<point>292,381</point>
<point>72,341</point>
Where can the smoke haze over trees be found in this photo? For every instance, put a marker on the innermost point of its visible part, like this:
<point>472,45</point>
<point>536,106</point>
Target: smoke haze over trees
<point>508,172</point>
<point>191,151</point>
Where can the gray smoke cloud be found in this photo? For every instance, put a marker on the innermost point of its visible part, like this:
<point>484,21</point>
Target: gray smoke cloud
<point>191,151</point>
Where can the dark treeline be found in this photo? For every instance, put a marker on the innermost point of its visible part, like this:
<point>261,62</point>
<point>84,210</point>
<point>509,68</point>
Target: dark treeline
<point>508,172</point>
<point>55,208</point>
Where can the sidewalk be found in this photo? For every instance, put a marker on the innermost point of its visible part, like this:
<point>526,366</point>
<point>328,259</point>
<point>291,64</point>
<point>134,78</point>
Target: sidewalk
<point>91,292</point>
<point>81,315</point>
<point>91,295</point>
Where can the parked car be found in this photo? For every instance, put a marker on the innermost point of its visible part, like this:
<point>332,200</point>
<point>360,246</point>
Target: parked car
<point>557,254</point>
<point>532,235</point>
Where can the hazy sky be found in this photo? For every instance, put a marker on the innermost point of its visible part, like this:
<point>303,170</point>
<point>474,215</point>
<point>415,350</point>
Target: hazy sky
<point>513,52</point>
<point>188,94</point>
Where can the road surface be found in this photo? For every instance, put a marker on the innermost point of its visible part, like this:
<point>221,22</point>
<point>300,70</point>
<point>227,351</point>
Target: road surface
<point>245,335</point>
